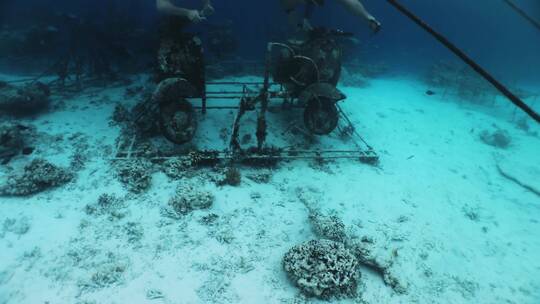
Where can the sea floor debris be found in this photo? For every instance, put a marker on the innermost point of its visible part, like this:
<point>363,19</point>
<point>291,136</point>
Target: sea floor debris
<point>135,174</point>
<point>498,138</point>
<point>24,100</point>
<point>15,139</point>
<point>186,199</point>
<point>107,204</point>
<point>328,227</point>
<point>113,221</point>
<point>37,176</point>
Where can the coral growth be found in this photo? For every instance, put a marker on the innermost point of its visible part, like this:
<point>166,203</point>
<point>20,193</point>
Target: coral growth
<point>37,176</point>
<point>27,99</point>
<point>261,177</point>
<point>134,231</point>
<point>81,151</point>
<point>187,199</point>
<point>177,168</point>
<point>11,142</point>
<point>135,174</point>
<point>323,268</point>
<point>107,204</point>
<point>107,275</point>
<point>120,114</point>
<point>365,251</point>
<point>498,138</point>
<point>327,227</point>
<point>15,139</point>
<point>209,219</point>
<point>231,177</point>
<point>17,226</point>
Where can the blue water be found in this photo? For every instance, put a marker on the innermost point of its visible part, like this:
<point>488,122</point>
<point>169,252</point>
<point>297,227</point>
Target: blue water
<point>489,31</point>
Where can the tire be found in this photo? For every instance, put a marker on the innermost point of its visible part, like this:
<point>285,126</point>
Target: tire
<point>321,116</point>
<point>178,121</point>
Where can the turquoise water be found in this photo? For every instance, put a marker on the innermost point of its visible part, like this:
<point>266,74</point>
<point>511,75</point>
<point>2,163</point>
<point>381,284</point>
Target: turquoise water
<point>403,178</point>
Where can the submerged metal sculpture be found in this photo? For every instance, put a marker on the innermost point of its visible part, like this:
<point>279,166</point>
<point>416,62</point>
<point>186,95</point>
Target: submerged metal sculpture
<point>304,75</point>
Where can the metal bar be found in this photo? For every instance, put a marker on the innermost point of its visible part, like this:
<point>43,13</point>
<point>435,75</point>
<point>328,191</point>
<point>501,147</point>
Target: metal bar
<point>321,151</point>
<point>236,107</point>
<point>355,133</point>
<point>475,66</point>
<point>265,94</point>
<point>234,83</point>
<point>225,97</point>
<point>285,152</point>
<point>250,158</point>
<point>216,107</point>
<point>244,62</point>
<point>19,80</point>
<point>225,92</point>
<point>204,98</point>
<point>282,155</point>
<point>130,149</point>
<point>272,93</point>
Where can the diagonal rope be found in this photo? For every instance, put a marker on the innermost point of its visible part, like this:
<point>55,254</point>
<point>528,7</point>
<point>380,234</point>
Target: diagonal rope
<point>523,14</point>
<point>475,66</point>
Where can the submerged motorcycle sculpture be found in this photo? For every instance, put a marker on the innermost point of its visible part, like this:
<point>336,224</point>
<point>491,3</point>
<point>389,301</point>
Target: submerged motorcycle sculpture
<point>303,75</point>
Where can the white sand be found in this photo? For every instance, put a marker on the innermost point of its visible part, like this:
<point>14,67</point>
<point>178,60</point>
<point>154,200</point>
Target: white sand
<point>463,233</point>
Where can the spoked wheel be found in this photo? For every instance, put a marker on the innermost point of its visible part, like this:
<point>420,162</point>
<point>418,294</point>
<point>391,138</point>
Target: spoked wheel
<point>177,117</point>
<point>321,115</point>
<point>178,121</point>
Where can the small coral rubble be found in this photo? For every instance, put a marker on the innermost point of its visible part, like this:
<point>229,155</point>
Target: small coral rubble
<point>120,114</point>
<point>231,177</point>
<point>135,174</point>
<point>107,204</point>
<point>187,199</point>
<point>37,176</point>
<point>365,251</point>
<point>179,167</point>
<point>328,227</point>
<point>14,139</point>
<point>498,138</point>
<point>17,226</point>
<point>22,100</point>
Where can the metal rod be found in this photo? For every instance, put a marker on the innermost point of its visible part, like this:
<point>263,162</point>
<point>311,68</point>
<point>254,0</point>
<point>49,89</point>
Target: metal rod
<point>289,152</point>
<point>349,122</point>
<point>282,155</point>
<point>225,97</point>
<point>216,107</point>
<point>235,83</point>
<point>475,66</point>
<point>236,107</point>
<point>227,92</point>
<point>262,157</point>
<point>242,93</point>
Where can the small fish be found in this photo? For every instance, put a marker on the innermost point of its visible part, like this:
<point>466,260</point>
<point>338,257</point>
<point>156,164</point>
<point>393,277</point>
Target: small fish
<point>28,150</point>
<point>430,93</point>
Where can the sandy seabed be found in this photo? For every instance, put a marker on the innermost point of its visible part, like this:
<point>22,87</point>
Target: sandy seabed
<point>458,231</point>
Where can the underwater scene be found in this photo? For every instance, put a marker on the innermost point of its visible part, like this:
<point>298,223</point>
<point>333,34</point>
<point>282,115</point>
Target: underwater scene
<point>280,151</point>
